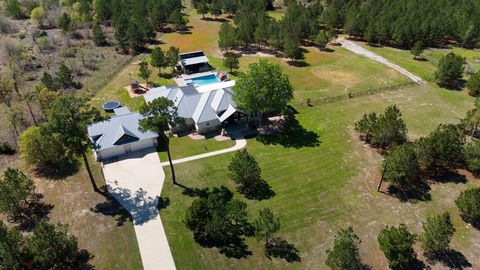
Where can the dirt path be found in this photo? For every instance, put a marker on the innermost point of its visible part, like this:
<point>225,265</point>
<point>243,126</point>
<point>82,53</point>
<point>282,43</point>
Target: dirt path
<point>353,47</point>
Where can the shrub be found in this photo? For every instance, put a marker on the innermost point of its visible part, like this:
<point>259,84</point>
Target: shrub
<point>437,233</point>
<point>6,149</point>
<point>468,204</point>
<point>397,245</point>
<point>473,84</point>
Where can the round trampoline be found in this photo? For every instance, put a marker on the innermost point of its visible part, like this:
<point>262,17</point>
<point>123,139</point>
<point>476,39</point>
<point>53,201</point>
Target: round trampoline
<point>110,105</point>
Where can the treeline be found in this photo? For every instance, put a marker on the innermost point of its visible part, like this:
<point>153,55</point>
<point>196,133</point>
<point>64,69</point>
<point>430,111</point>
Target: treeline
<point>254,26</point>
<point>402,23</point>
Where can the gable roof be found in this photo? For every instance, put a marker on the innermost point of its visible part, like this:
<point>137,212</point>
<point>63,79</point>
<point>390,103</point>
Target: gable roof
<point>118,130</point>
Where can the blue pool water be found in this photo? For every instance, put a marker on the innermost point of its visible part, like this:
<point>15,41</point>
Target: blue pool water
<point>205,79</point>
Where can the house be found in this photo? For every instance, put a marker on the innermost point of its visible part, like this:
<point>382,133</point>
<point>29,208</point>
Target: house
<point>204,108</point>
<point>119,135</point>
<point>193,62</point>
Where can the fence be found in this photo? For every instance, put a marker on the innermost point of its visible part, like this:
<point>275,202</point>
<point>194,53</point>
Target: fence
<point>371,91</point>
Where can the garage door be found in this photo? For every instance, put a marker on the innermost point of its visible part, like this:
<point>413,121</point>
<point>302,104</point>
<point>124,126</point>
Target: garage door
<point>141,145</point>
<point>112,152</point>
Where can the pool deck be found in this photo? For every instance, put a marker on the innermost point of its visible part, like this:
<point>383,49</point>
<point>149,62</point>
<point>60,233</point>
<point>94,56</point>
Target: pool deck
<point>181,80</point>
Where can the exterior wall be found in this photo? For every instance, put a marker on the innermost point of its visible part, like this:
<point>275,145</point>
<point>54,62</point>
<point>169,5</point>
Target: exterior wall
<point>122,149</point>
<point>208,126</point>
<point>189,126</point>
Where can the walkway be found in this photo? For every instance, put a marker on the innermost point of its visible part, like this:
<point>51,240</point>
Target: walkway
<point>240,143</point>
<point>353,47</point>
<point>135,180</point>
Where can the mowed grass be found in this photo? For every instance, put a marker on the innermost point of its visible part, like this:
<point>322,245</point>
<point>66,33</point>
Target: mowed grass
<point>181,147</point>
<point>321,189</point>
<point>325,74</point>
<point>425,68</point>
<point>100,225</point>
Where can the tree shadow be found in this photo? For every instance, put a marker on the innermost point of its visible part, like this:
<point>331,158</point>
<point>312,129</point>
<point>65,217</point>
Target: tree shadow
<point>298,63</point>
<point>280,248</point>
<point>261,191</point>
<point>456,86</point>
<point>163,203</point>
<point>327,50</point>
<point>64,168</point>
<point>81,261</point>
<point>141,207</point>
<point>235,247</point>
<point>417,193</point>
<point>415,264</point>
<point>449,177</point>
<point>420,59</point>
<point>194,192</point>
<point>110,207</point>
<point>35,212</point>
<point>450,258</point>
<point>291,134</point>
<point>210,19</point>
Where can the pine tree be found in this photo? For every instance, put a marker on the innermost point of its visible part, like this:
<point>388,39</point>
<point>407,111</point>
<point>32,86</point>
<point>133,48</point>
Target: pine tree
<point>158,60</point>
<point>99,37</point>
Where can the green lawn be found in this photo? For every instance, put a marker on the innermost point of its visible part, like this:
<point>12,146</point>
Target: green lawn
<point>185,146</point>
<point>321,189</point>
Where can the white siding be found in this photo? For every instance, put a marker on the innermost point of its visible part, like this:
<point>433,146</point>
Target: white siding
<point>121,149</point>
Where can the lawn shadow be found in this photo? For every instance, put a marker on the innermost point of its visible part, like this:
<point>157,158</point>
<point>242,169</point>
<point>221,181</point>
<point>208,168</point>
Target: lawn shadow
<point>35,212</point>
<point>210,19</point>
<point>280,248</point>
<point>298,63</point>
<point>81,261</point>
<point>163,203</point>
<point>449,177</point>
<point>194,192</point>
<point>420,59</point>
<point>458,86</point>
<point>450,258</point>
<point>418,193</point>
<point>233,248</point>
<point>110,207</point>
<point>261,191</point>
<point>291,134</point>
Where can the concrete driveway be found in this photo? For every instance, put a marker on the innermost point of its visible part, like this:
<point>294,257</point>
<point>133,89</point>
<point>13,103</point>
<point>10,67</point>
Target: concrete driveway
<point>135,180</point>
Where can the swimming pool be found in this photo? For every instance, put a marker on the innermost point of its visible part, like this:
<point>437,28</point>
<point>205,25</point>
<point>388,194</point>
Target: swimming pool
<point>205,79</point>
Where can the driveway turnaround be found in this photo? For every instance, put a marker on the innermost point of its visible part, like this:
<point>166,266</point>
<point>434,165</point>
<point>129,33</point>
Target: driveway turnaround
<point>135,180</point>
<point>240,143</point>
<point>353,47</point>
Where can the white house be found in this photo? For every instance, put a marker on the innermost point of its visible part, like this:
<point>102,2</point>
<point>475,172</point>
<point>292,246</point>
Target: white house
<point>204,108</point>
<point>119,135</point>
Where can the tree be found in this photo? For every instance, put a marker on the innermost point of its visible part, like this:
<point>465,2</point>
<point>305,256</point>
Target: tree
<point>231,62</point>
<point>367,125</point>
<point>51,247</point>
<point>144,72</point>
<point>135,36</point>
<point>157,59</point>
<point>103,10</point>
<point>391,129</point>
<point>401,166</point>
<point>227,39</point>
<point>202,8</point>
<point>322,40</point>
<point>397,245</point>
<point>442,149</point>
<point>263,88</point>
<point>473,84</point>
<point>417,49</point>
<point>468,203</point>
<point>69,117</point>
<point>471,156</point>
<point>292,50</point>
<point>13,9</point>
<point>64,76</point>
<point>16,190</point>
<point>216,8</point>
<point>121,32</point>
<point>261,31</point>
<point>437,233</point>
<point>65,23</point>
<point>12,248</point>
<point>266,225</point>
<point>6,91</point>
<point>177,19</point>
<point>450,69</point>
<point>344,255</point>
<point>245,172</point>
<point>38,15</point>
<point>49,82</point>
<point>171,57</point>
<point>161,114</point>
<point>99,37</point>
<point>44,98</point>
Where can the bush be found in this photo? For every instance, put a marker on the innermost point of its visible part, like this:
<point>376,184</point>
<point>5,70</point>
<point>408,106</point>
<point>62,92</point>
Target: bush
<point>450,69</point>
<point>21,35</point>
<point>437,233</point>
<point>473,84</point>
<point>471,156</point>
<point>468,204</point>
<point>6,149</point>
<point>397,245</point>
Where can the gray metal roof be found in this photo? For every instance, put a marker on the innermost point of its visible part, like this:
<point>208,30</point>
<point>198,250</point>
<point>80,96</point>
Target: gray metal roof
<point>118,130</point>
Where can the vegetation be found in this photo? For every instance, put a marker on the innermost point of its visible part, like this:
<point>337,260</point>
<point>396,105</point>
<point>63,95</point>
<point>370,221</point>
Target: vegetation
<point>16,190</point>
<point>450,69</point>
<point>401,167</point>
<point>263,88</point>
<point>417,49</point>
<point>344,255</point>
<point>473,84</point>
<point>231,62</point>
<point>468,203</point>
<point>144,72</point>
<point>157,59</point>
<point>437,233</point>
<point>385,130</point>
<point>397,245</point>
<point>265,226</point>
<point>471,156</point>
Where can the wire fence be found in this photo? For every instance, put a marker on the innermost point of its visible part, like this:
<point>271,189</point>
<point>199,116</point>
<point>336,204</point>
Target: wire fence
<point>323,100</point>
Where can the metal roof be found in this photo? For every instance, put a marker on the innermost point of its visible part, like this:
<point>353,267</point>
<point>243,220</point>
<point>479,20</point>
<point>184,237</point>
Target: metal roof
<point>194,60</point>
<point>117,130</point>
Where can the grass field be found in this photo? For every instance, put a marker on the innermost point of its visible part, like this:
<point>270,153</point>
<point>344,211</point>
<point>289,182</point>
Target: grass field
<point>185,146</point>
<point>321,189</point>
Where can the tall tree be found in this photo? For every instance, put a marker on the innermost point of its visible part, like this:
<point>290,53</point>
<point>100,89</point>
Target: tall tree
<point>263,88</point>
<point>401,167</point>
<point>344,255</point>
<point>157,59</point>
<point>471,156</point>
<point>12,248</point>
<point>65,23</point>
<point>227,37</point>
<point>468,203</point>
<point>64,76</point>
<point>121,27</point>
<point>6,91</point>
<point>144,72</point>
<point>69,117</point>
<point>322,40</point>
<point>103,10</point>
<point>16,190</point>
<point>216,8</point>
<point>231,61</point>
<point>99,37</point>
<point>397,245</point>
<point>473,84</point>
<point>437,233</point>
<point>202,8</point>
<point>417,49</point>
<point>159,115</point>
<point>171,57</point>
<point>292,50</point>
<point>450,69</point>
<point>266,225</point>
<point>245,172</point>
